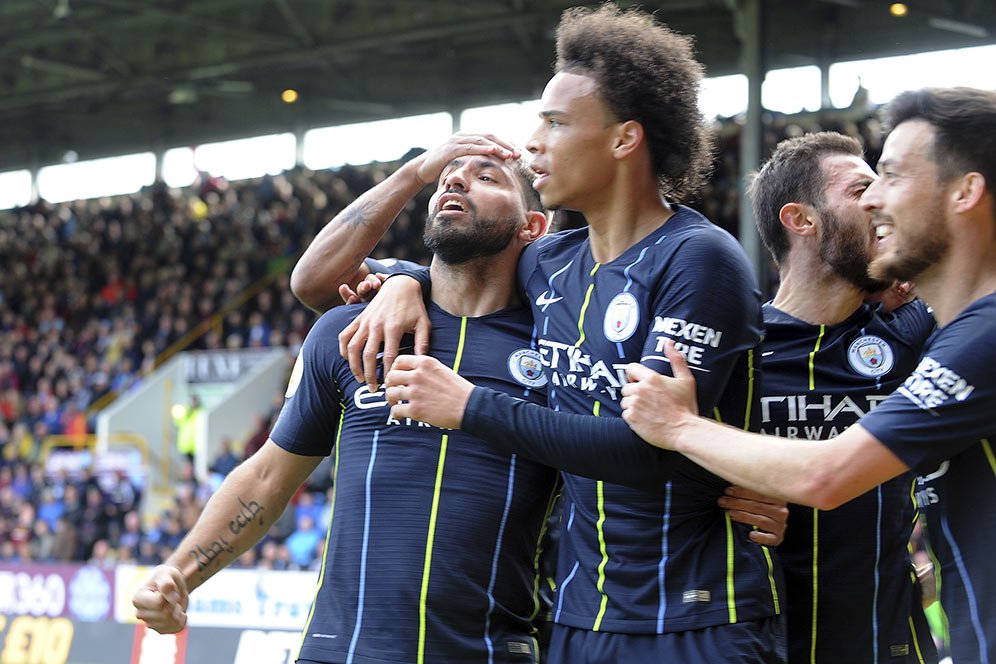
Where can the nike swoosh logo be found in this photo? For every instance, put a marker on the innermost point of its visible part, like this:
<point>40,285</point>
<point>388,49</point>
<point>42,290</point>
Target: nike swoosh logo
<point>402,350</point>
<point>543,300</point>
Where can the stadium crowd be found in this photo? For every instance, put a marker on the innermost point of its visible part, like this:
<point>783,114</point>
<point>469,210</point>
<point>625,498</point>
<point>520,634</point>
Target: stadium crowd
<point>98,292</point>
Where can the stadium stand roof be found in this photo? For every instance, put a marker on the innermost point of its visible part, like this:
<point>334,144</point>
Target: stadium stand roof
<point>103,77</point>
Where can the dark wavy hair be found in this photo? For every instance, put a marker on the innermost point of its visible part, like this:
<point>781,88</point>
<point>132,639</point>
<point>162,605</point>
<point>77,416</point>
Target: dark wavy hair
<point>648,73</point>
<point>793,174</point>
<point>964,122</point>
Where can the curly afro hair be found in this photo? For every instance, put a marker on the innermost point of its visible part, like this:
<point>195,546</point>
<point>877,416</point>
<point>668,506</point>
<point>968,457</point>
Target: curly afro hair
<point>647,73</point>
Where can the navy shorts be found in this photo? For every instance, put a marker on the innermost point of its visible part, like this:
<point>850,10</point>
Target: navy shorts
<point>752,642</point>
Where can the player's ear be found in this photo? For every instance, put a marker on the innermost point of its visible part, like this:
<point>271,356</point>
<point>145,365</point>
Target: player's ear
<point>968,191</point>
<point>535,227</point>
<point>629,136</point>
<point>797,219</point>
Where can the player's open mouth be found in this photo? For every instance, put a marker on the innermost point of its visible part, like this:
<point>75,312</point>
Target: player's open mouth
<point>452,203</point>
<point>882,231</point>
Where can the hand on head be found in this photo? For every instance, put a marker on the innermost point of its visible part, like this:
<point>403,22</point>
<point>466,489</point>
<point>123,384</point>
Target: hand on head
<point>432,163</point>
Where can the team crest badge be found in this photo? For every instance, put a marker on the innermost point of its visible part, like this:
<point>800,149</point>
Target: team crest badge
<point>870,356</point>
<point>526,367</point>
<point>621,317</point>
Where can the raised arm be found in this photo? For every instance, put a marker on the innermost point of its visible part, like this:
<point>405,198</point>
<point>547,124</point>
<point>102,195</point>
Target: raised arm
<point>336,255</point>
<point>237,516</point>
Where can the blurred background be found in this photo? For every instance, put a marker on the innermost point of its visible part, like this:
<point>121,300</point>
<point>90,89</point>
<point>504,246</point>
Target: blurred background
<point>165,162</point>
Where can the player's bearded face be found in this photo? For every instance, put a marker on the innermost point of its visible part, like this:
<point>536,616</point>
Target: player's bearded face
<point>911,251</point>
<point>458,239</point>
<point>846,248</point>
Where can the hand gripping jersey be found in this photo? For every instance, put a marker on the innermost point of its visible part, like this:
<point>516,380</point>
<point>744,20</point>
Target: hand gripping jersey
<point>942,423</point>
<point>664,559</point>
<point>434,543</point>
<point>849,582</point>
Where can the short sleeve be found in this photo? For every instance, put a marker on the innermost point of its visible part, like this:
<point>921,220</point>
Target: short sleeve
<point>310,415</point>
<point>710,306</point>
<point>946,404</point>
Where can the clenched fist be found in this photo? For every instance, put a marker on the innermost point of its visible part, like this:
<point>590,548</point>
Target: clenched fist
<point>161,602</point>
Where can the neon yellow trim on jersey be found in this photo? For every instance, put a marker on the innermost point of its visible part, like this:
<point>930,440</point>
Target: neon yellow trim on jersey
<point>537,572</point>
<point>430,539</point>
<point>536,650</point>
<point>434,511</point>
<point>715,414</point>
<point>938,582</point>
<point>916,642</point>
<point>328,533</point>
<point>750,388</point>
<point>600,489</point>
<point>916,509</point>
<point>459,350</point>
<point>812,356</point>
<point>988,450</point>
<point>771,580</point>
<point>816,555</point>
<point>600,585</point>
<point>584,307</point>
<point>731,594</point>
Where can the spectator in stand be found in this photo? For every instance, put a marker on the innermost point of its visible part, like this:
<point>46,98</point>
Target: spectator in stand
<point>227,460</point>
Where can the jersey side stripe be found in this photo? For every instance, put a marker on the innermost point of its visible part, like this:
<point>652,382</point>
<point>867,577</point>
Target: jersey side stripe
<point>973,604</point>
<point>878,561</point>
<point>328,533</point>
<point>364,550</point>
<point>563,589</point>
<point>537,567</point>
<point>771,581</point>
<point>584,307</point>
<point>509,491</point>
<point>816,514</point>
<point>661,581</point>
<point>916,641</point>
<point>751,374</point>
<point>434,510</point>
<point>600,527</point>
<point>812,357</point>
<point>731,595</point>
<point>816,581</point>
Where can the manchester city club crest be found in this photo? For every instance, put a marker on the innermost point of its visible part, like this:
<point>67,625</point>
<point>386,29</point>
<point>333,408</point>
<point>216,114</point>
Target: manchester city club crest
<point>621,317</point>
<point>870,356</point>
<point>526,367</point>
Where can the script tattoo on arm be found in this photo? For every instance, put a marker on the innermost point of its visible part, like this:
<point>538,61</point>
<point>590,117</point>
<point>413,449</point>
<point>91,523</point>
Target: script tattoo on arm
<point>249,513</point>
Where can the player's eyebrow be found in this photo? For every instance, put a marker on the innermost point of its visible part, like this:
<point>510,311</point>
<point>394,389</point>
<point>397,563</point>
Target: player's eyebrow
<point>885,163</point>
<point>478,162</point>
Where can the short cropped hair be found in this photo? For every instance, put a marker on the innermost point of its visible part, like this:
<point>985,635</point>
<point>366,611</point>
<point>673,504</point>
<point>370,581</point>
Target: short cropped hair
<point>793,174</point>
<point>964,122</point>
<point>647,73</point>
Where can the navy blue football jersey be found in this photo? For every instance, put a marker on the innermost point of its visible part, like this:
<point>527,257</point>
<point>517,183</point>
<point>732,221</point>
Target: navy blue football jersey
<point>850,591</point>
<point>669,559</point>
<point>941,422</point>
<point>434,545</point>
